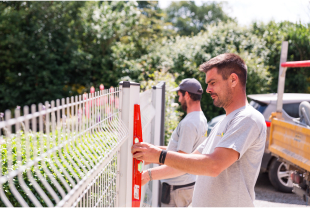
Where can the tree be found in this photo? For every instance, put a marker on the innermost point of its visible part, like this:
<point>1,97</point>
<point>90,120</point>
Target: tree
<point>297,79</point>
<point>187,18</point>
<point>51,50</point>
<point>105,25</point>
<point>38,50</point>
<point>181,57</point>
<point>149,29</point>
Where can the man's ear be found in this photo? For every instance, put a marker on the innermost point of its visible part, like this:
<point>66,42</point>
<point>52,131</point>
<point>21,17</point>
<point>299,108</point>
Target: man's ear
<point>186,96</point>
<point>234,79</point>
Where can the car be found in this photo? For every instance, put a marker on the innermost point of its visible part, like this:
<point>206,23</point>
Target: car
<point>214,121</point>
<point>278,172</point>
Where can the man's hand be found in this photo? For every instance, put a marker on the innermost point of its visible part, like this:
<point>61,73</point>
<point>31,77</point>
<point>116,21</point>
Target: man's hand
<point>146,152</point>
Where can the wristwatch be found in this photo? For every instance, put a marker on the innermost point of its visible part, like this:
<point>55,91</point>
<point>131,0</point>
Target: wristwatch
<point>150,174</point>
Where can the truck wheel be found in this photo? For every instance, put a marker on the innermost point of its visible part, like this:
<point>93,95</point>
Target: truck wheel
<point>279,176</point>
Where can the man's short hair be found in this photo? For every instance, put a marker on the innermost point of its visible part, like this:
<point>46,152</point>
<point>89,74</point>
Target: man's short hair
<point>194,97</point>
<point>227,64</point>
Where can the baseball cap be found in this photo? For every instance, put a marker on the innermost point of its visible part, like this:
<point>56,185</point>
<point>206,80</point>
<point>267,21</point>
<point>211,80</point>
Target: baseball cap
<point>190,85</point>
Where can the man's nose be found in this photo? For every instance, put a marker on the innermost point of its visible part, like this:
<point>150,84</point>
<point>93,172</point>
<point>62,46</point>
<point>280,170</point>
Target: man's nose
<point>208,90</point>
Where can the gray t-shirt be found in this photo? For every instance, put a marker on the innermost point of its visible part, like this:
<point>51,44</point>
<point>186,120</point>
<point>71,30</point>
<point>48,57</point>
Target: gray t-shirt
<point>188,135</point>
<point>243,130</point>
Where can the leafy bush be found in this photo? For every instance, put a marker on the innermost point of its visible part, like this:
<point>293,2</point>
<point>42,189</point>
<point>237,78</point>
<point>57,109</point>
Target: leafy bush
<point>172,115</point>
<point>181,56</point>
<point>38,52</point>
<point>51,50</point>
<point>297,35</point>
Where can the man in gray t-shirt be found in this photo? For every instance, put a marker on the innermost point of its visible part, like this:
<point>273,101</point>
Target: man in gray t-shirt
<point>188,135</point>
<point>244,131</point>
<point>228,161</point>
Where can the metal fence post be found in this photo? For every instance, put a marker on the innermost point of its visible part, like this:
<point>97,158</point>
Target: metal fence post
<point>130,96</point>
<point>117,200</point>
<point>163,108</point>
<point>158,133</point>
<point>125,94</point>
<point>281,79</point>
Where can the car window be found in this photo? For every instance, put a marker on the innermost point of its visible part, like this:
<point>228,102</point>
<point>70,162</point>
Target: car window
<point>292,109</point>
<point>212,124</point>
<point>261,107</point>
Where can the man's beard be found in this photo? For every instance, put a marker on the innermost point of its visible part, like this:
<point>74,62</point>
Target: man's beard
<point>184,106</point>
<point>222,101</point>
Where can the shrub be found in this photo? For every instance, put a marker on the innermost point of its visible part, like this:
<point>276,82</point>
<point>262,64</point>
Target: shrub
<point>181,56</point>
<point>297,79</point>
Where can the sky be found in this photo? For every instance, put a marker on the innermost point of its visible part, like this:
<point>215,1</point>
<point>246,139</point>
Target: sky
<point>247,11</point>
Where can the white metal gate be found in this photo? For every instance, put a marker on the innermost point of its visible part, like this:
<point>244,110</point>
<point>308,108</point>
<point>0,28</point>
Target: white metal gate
<point>75,152</point>
<point>152,104</point>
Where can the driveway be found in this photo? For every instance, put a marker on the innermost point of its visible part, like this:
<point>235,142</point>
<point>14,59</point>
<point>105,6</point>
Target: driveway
<point>267,196</point>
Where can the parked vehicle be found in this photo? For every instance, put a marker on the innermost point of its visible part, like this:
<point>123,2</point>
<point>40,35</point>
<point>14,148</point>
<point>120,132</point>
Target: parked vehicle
<point>290,143</point>
<point>290,140</point>
<point>266,104</point>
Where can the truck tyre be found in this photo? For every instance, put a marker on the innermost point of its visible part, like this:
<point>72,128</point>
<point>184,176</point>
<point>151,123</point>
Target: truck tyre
<point>279,176</point>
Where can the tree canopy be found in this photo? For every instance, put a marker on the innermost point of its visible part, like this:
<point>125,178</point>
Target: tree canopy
<point>189,19</point>
<point>51,50</point>
<point>181,57</point>
<point>297,79</point>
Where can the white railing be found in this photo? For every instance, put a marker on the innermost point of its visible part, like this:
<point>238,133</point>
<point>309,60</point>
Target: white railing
<point>75,152</point>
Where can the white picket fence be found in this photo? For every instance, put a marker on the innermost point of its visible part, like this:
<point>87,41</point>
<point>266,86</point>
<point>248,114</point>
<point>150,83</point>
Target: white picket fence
<point>76,152</point>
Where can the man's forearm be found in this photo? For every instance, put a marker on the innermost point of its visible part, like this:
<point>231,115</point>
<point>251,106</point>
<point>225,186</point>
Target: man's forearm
<point>203,164</point>
<point>161,172</point>
<point>164,172</point>
<point>196,164</point>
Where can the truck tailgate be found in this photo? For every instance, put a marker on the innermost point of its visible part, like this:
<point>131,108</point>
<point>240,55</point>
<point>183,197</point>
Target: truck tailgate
<point>291,142</point>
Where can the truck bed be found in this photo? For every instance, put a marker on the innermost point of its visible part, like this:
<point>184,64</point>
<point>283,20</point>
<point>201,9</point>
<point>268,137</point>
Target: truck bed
<point>291,142</point>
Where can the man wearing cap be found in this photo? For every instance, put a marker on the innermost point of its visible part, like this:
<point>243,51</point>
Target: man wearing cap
<point>228,162</point>
<point>188,135</point>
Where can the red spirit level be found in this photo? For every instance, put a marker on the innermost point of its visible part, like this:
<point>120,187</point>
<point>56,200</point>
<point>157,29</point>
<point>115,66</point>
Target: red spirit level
<point>137,164</point>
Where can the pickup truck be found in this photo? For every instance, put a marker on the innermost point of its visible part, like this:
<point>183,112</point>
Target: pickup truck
<point>290,141</point>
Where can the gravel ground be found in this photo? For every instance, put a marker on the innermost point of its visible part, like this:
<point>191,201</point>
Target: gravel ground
<point>267,196</point>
